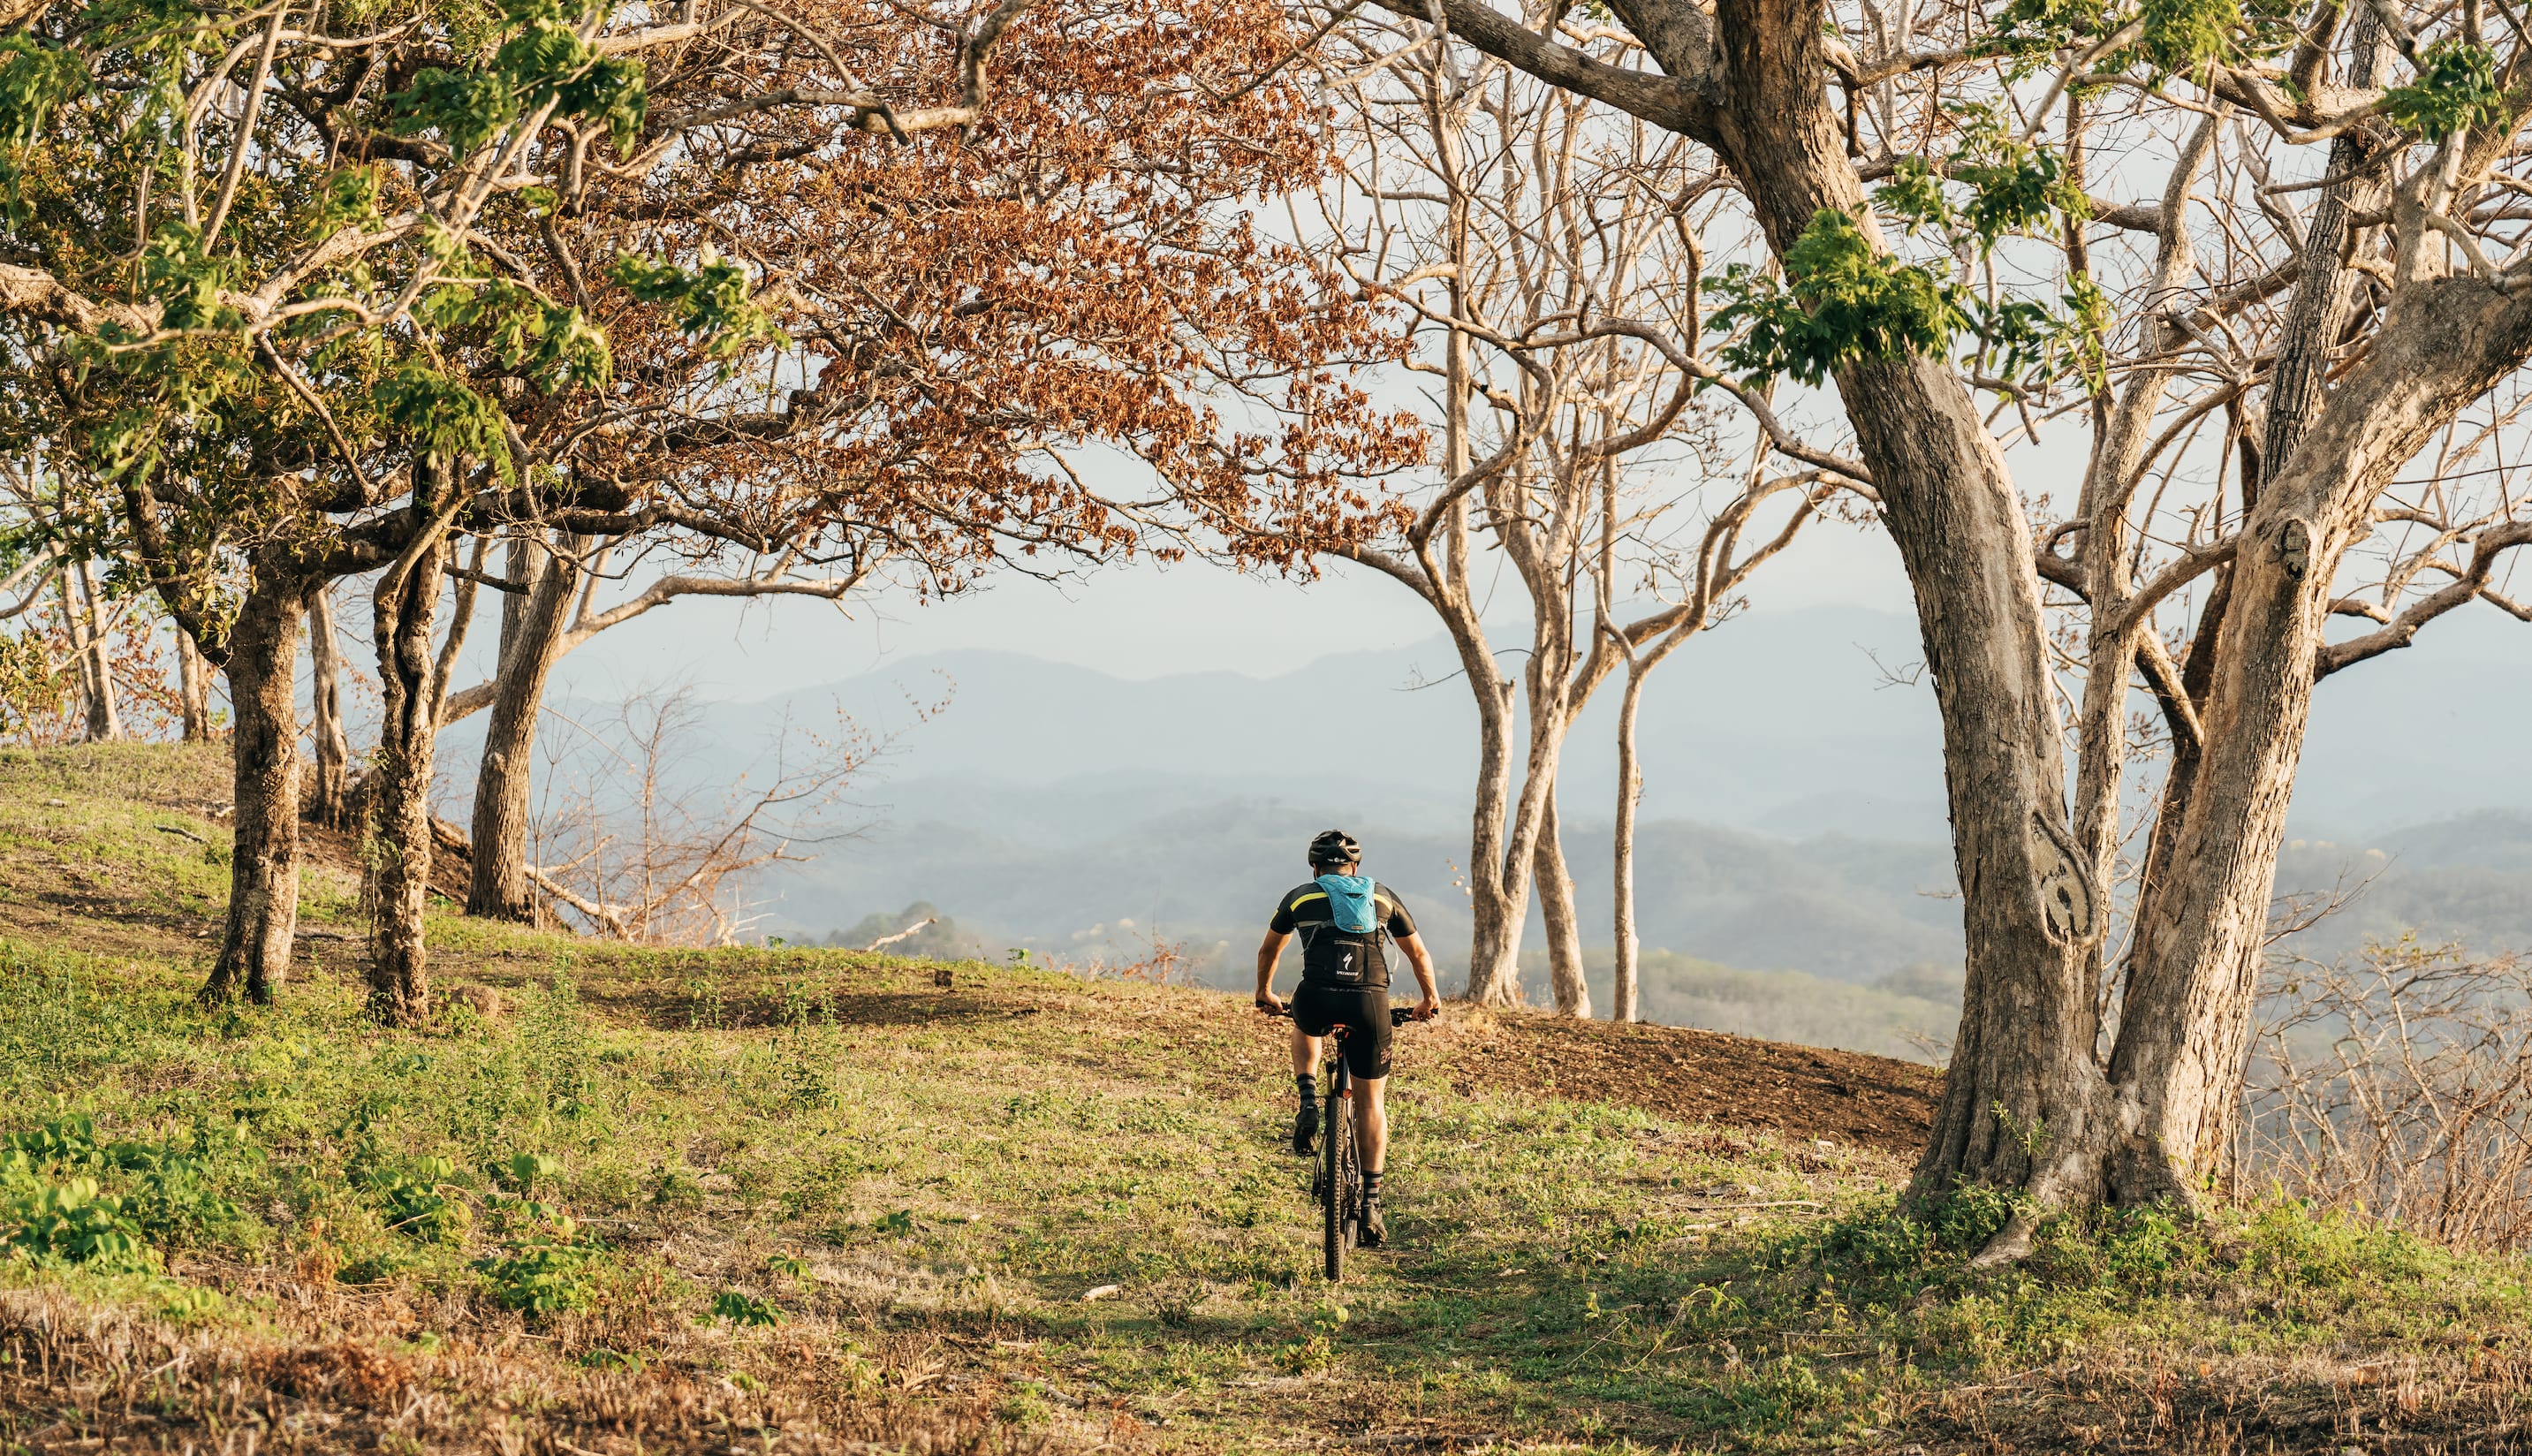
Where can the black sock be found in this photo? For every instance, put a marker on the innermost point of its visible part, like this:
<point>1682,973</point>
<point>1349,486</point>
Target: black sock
<point>1308,1084</point>
<point>1370,1182</point>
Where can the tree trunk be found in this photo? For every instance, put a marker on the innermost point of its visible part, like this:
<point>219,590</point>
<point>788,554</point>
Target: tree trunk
<point>1573,995</point>
<point>1630,790</point>
<point>328,790</point>
<point>2025,1082</point>
<point>264,858</point>
<point>101,721</point>
<point>104,715</point>
<point>2185,1029</point>
<point>406,603</point>
<point>193,687</point>
<point>532,631</point>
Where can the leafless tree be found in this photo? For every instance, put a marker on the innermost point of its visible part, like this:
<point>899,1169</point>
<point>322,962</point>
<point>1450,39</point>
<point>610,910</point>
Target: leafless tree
<point>1549,259</point>
<point>631,847</point>
<point>2400,1081</point>
<point>551,605</point>
<point>2344,267</point>
<point>1707,585</point>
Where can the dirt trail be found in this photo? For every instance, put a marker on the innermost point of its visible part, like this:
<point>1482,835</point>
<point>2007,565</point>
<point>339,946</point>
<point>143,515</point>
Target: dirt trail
<point>1674,1072</point>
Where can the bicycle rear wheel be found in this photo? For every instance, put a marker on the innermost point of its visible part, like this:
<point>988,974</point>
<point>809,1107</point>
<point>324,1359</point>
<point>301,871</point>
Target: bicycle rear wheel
<point>1337,1182</point>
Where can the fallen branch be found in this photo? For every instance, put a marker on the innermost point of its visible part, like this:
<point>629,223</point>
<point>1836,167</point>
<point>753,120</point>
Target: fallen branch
<point>889,940</point>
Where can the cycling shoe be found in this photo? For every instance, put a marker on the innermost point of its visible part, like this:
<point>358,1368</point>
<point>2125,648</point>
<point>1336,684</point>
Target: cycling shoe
<point>1305,1128</point>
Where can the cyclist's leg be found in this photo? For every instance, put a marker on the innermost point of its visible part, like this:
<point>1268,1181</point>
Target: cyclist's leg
<point>1370,1121</point>
<point>1305,1052</point>
<point>1367,1049</point>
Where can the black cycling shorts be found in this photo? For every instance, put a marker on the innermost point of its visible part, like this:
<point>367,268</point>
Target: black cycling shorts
<point>1364,1014</point>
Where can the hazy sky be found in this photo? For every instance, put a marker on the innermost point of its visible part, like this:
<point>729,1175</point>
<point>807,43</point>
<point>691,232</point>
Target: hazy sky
<point>1142,621</point>
<point>1139,620</point>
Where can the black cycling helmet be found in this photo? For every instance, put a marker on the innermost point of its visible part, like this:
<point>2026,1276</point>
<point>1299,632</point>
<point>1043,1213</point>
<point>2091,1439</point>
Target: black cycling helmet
<point>1335,846</point>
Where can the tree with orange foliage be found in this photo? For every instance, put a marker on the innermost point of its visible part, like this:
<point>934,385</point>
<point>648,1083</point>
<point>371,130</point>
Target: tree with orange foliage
<point>982,327</point>
<point>608,273</point>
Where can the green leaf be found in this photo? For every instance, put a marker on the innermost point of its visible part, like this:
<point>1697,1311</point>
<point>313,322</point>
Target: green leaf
<point>2180,36</point>
<point>346,196</point>
<point>1847,302</point>
<point>613,91</point>
<point>710,302</point>
<point>443,416</point>
<point>2455,88</point>
<point>468,107</point>
<point>186,282</point>
<point>35,77</point>
<point>1915,196</point>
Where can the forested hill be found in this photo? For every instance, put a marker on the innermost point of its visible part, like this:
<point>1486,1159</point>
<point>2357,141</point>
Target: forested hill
<point>1792,798</point>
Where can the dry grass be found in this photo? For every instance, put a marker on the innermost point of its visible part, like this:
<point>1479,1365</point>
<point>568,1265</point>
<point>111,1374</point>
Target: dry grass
<point>1607,1243</point>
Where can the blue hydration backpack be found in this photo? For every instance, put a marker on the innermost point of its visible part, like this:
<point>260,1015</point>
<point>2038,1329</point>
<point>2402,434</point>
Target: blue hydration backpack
<point>1350,901</point>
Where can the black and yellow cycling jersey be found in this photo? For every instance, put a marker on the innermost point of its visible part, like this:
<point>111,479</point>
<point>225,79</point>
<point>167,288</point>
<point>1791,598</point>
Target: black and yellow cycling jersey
<point>1336,957</point>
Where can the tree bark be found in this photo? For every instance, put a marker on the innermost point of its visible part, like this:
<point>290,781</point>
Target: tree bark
<point>330,787</point>
<point>1571,994</point>
<point>2186,1027</point>
<point>263,857</point>
<point>192,688</point>
<point>531,632</point>
<point>103,722</point>
<point>405,605</point>
<point>2019,1107</point>
<point>1631,790</point>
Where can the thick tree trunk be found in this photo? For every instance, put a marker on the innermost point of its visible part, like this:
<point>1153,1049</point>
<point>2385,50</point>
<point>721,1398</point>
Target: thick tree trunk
<point>264,858</point>
<point>399,797</point>
<point>192,688</point>
<point>1630,790</point>
<point>532,631</point>
<point>2185,1029</point>
<point>329,788</point>
<point>2024,1087</point>
<point>1564,983</point>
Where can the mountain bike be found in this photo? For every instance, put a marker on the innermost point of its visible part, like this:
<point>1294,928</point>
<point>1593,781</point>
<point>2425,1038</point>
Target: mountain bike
<point>1338,1184</point>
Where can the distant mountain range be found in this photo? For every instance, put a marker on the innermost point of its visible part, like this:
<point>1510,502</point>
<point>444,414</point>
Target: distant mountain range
<point>1794,797</point>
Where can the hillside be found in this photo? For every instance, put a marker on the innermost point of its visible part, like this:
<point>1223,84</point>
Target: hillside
<point>1793,821</point>
<point>793,1200</point>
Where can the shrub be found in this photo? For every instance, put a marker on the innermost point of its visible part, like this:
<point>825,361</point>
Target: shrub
<point>413,1201</point>
<point>67,1224</point>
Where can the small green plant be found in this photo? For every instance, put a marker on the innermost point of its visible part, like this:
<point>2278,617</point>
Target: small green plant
<point>705,1011</point>
<point>522,1172</point>
<point>544,1275</point>
<point>415,1201</point>
<point>604,1358</point>
<point>744,1310</point>
<point>67,1224</point>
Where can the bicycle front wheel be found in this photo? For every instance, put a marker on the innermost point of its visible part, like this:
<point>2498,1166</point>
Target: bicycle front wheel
<point>1337,1181</point>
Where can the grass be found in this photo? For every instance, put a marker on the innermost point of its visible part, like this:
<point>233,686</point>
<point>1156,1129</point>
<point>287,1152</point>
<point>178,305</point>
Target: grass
<point>799,1199</point>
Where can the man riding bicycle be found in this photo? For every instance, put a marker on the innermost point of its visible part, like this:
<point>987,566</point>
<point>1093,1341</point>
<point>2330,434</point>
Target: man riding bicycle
<point>1341,918</point>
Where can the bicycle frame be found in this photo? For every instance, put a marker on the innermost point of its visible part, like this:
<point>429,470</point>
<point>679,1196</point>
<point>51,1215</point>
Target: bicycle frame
<point>1337,1186</point>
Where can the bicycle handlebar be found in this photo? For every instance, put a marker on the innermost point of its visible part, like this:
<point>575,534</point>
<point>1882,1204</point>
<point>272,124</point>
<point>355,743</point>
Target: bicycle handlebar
<point>1399,1016</point>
